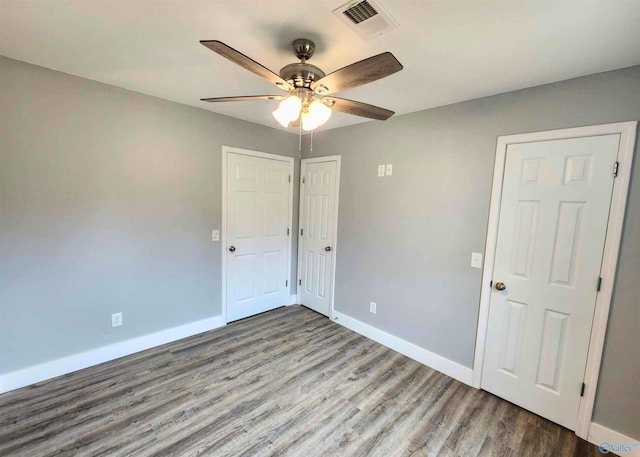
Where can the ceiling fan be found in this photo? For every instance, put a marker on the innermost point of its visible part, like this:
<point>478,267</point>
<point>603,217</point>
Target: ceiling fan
<point>308,101</point>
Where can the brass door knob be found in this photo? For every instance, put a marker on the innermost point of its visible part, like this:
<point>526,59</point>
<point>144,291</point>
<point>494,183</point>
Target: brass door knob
<point>232,248</point>
<point>500,286</point>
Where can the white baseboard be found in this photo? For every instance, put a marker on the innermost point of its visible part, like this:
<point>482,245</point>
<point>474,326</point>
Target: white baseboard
<point>293,299</point>
<point>64,365</point>
<point>428,358</point>
<point>613,441</point>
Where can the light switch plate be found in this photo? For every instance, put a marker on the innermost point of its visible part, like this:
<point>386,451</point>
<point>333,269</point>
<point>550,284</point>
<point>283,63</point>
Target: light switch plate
<point>215,235</point>
<point>389,169</point>
<point>116,320</point>
<point>372,307</point>
<point>380,170</point>
<point>476,260</point>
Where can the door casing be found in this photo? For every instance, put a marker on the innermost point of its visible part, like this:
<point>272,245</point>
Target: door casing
<point>335,158</point>
<point>226,150</point>
<point>627,132</point>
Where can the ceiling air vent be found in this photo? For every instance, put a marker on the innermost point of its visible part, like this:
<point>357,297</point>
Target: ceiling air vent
<point>367,17</point>
<point>360,12</point>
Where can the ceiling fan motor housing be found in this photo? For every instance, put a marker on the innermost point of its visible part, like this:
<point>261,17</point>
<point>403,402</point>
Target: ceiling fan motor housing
<point>301,74</point>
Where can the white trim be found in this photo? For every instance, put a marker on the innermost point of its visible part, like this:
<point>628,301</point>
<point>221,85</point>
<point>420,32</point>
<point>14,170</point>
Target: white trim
<point>599,434</point>
<point>425,357</point>
<point>489,257</point>
<point>263,155</point>
<point>223,237</point>
<point>69,364</point>
<point>293,299</point>
<point>608,274</point>
<point>303,162</point>
<point>627,132</point>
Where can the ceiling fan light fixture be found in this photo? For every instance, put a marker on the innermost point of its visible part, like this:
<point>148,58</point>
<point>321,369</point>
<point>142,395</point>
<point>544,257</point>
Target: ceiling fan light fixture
<point>307,122</point>
<point>320,112</point>
<point>288,110</point>
<point>316,115</point>
<point>291,107</point>
<point>281,117</point>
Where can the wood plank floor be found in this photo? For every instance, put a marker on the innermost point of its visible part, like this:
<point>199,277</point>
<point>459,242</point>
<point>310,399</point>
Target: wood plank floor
<point>284,383</point>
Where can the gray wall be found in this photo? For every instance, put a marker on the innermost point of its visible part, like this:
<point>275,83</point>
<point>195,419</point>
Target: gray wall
<point>107,202</point>
<point>108,197</point>
<point>405,241</point>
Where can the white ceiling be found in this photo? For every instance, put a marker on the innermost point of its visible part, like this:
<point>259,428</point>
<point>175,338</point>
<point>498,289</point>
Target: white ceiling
<point>452,50</point>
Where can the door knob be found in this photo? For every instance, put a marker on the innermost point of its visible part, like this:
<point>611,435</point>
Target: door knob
<point>328,248</point>
<point>500,286</point>
<point>232,248</point>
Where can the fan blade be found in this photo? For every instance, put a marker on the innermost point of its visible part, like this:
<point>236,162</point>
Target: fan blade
<point>358,108</point>
<point>358,74</point>
<point>245,98</point>
<point>246,62</point>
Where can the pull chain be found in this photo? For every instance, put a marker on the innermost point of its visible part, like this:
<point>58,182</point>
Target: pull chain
<point>311,144</point>
<point>300,139</point>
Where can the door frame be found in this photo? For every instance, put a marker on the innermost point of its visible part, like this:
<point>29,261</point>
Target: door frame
<point>226,150</point>
<point>627,132</point>
<point>303,162</point>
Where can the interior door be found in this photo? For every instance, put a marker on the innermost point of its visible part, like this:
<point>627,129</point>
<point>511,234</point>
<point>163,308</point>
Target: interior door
<point>316,242</point>
<point>257,215</point>
<point>552,225</point>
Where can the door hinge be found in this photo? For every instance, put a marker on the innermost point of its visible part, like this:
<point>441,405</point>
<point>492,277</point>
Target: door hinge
<point>599,283</point>
<point>287,232</point>
<point>286,283</point>
<point>289,178</point>
<point>490,283</point>
<point>303,181</point>
<point>615,169</point>
<point>584,386</point>
<point>301,232</point>
<point>299,282</point>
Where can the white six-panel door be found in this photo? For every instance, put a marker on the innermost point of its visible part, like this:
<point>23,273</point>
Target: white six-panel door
<point>257,239</point>
<point>552,227</point>
<point>318,203</point>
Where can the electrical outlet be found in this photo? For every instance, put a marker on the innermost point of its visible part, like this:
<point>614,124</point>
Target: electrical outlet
<point>372,307</point>
<point>215,235</point>
<point>116,320</point>
<point>389,169</point>
<point>380,170</point>
<point>476,260</point>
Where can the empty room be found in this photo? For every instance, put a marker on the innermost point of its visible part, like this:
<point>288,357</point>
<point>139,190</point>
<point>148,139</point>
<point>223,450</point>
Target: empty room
<point>374,228</point>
